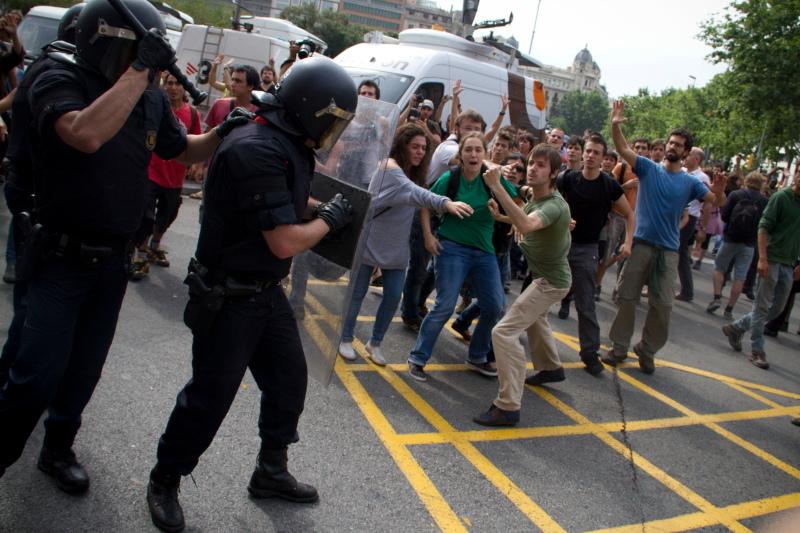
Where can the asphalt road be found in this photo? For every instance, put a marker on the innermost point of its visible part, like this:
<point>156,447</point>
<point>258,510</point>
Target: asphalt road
<point>709,433</point>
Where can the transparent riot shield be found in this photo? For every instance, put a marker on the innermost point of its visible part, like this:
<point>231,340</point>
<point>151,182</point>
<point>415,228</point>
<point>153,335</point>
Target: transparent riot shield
<point>320,286</point>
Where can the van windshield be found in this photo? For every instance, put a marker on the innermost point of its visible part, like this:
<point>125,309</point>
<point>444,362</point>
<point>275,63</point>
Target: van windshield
<point>393,86</point>
<point>36,32</point>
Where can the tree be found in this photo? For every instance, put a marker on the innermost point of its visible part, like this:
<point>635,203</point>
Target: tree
<point>332,27</point>
<point>579,111</point>
<point>759,40</point>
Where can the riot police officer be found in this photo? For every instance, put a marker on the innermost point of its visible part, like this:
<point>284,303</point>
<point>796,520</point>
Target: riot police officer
<point>95,122</point>
<point>256,201</point>
<point>19,173</point>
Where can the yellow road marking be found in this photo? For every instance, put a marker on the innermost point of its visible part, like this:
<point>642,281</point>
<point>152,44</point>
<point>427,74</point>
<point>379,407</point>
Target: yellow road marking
<point>437,506</point>
<point>582,429</point>
<point>755,396</point>
<point>739,511</point>
<point>673,484</point>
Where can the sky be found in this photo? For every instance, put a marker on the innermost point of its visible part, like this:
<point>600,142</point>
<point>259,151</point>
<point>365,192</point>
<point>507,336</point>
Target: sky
<point>636,43</point>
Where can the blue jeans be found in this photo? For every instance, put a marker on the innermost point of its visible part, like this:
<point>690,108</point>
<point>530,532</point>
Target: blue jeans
<point>473,310</point>
<point>392,289</point>
<point>455,264</point>
<point>771,295</point>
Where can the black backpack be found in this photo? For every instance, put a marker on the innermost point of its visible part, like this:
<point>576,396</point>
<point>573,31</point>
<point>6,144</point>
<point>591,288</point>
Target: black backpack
<point>743,222</point>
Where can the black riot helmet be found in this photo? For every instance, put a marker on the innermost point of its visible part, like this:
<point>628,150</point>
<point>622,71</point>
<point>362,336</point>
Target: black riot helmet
<point>105,41</point>
<point>69,21</point>
<point>319,99</point>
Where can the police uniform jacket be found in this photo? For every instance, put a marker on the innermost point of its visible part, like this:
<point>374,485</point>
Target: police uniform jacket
<point>103,194</point>
<point>259,178</point>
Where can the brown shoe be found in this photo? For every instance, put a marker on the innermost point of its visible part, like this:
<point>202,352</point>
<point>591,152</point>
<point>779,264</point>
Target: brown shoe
<point>759,359</point>
<point>611,358</point>
<point>158,257</point>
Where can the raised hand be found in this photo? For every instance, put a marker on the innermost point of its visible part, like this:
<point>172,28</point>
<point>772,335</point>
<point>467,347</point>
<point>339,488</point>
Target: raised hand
<point>618,112</point>
<point>457,88</point>
<point>504,100</point>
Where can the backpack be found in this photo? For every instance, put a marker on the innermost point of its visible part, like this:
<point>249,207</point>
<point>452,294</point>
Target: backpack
<point>743,221</point>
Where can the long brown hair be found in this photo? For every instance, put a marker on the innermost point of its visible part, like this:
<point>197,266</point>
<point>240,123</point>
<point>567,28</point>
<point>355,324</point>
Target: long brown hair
<point>402,138</point>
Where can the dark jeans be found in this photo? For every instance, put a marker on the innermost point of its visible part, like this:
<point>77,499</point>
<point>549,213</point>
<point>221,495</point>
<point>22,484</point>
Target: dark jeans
<point>519,264</point>
<point>259,333</point>
<point>417,274</point>
<point>778,323</point>
<point>70,324</point>
<point>583,265</point>
<point>685,259</point>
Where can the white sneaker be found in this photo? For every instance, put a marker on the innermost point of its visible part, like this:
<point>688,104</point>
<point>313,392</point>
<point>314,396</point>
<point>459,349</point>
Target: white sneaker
<point>346,351</point>
<point>375,354</point>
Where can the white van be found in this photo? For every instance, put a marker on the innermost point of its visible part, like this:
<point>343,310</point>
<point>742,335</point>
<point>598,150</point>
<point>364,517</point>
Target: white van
<point>199,45</point>
<point>39,28</point>
<point>428,62</point>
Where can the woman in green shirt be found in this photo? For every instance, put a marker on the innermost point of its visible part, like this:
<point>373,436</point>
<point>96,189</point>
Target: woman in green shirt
<point>463,251</point>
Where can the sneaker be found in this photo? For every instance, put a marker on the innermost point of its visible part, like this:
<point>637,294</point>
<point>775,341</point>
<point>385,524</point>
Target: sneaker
<point>487,369</point>
<point>563,312</point>
<point>159,257</point>
<point>346,351</point>
<point>728,314</point>
<point>715,304</point>
<point>139,269</point>
<point>462,330</point>
<point>593,366</point>
<point>612,359</point>
<point>375,354</point>
<point>417,372</point>
<point>197,195</point>
<point>546,376</point>
<point>497,417</point>
<point>412,324</point>
<point>734,336</point>
<point>759,359</point>
<point>646,363</point>
<point>682,298</point>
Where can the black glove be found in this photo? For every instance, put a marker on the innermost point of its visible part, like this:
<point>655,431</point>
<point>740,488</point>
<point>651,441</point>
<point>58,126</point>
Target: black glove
<point>337,213</point>
<point>154,53</point>
<point>238,117</point>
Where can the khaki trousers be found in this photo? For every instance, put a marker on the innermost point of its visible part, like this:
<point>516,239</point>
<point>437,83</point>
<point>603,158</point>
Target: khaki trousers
<point>528,313</point>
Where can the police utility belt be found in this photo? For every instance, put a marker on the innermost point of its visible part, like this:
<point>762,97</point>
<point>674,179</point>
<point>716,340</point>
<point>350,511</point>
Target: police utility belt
<point>207,293</point>
<point>41,245</point>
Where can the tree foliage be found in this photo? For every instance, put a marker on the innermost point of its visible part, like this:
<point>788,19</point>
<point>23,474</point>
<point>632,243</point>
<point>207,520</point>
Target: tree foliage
<point>759,41</point>
<point>579,111</point>
<point>332,27</point>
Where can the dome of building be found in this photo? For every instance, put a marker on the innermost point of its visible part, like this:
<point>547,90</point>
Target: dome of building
<point>584,56</point>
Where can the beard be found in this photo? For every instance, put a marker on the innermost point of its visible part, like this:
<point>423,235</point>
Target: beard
<point>672,157</point>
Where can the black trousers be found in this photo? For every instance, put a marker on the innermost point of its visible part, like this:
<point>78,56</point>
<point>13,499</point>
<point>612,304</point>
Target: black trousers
<point>70,324</point>
<point>259,333</point>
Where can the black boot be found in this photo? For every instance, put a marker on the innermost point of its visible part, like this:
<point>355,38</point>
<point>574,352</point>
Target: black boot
<point>162,500</point>
<point>272,479</point>
<point>62,465</point>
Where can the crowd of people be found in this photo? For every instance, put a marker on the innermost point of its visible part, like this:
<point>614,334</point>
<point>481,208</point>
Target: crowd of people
<point>478,206</point>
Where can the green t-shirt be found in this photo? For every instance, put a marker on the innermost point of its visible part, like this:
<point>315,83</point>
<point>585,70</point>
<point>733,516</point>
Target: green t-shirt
<point>475,231</point>
<point>781,221</point>
<point>546,249</point>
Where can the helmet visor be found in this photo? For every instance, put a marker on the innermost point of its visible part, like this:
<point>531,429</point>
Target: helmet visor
<point>341,118</point>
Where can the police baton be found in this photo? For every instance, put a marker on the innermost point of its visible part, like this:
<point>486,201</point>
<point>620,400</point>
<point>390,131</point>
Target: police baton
<point>198,97</point>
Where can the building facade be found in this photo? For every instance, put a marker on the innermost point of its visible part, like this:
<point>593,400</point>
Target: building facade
<point>273,8</point>
<point>427,15</point>
<point>381,15</point>
<point>582,75</point>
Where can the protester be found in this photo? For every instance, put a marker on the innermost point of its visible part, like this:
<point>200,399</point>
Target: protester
<point>664,192</point>
<point>610,160</point>
<point>778,249</point>
<point>740,214</point>
<point>268,77</point>
<point>692,164</point>
<point>574,154</point>
<point>590,194</point>
<point>657,150</point>
<point>464,251</point>
<point>544,223</point>
<point>394,200</point>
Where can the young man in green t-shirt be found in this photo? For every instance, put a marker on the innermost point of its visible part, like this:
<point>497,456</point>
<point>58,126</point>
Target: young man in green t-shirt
<point>544,222</point>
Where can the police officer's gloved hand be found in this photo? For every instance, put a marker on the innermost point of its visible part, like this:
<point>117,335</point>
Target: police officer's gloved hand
<point>337,213</point>
<point>154,53</point>
<point>238,117</point>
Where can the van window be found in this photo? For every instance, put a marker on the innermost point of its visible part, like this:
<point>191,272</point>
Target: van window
<point>433,91</point>
<point>36,32</point>
<point>393,86</point>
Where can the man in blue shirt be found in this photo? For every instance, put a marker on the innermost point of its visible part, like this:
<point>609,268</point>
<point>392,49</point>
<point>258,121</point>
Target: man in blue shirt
<point>664,190</point>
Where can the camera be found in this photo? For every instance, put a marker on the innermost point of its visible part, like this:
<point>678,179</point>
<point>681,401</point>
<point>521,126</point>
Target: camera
<point>307,47</point>
<point>413,114</point>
